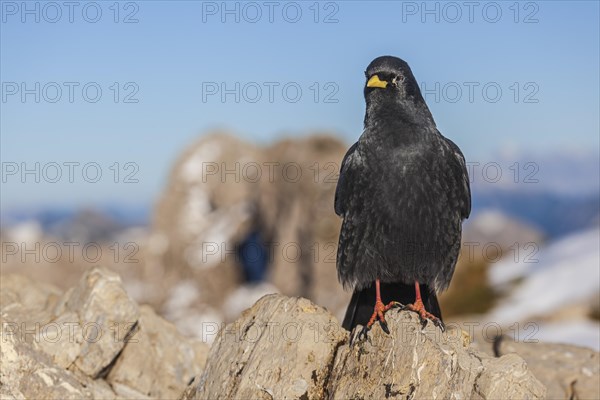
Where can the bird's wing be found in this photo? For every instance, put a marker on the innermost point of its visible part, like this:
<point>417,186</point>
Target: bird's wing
<point>459,167</point>
<point>341,190</point>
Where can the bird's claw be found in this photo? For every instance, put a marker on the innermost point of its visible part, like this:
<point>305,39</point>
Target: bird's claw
<point>424,315</point>
<point>378,313</point>
<point>384,327</point>
<point>363,333</point>
<point>430,317</point>
<point>438,322</point>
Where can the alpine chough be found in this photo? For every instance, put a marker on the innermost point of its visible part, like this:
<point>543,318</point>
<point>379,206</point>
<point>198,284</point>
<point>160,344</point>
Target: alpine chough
<point>403,193</point>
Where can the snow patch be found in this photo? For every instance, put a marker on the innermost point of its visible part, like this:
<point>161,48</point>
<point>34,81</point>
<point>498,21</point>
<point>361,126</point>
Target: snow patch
<point>567,272</point>
<point>581,333</point>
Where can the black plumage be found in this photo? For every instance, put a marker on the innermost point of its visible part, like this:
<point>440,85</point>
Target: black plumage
<point>403,193</point>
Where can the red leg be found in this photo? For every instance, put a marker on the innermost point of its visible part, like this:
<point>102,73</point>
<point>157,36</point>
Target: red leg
<point>419,308</point>
<point>378,312</point>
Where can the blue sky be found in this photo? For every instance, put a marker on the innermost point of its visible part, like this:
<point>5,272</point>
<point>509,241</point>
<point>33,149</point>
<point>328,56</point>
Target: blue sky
<point>543,56</point>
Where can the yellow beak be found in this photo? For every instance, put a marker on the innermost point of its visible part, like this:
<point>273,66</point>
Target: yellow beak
<point>374,81</point>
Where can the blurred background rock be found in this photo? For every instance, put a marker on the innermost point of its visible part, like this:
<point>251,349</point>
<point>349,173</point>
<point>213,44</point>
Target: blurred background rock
<point>236,221</point>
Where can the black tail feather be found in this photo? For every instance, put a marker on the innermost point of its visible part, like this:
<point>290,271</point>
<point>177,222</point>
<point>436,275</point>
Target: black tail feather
<point>362,303</point>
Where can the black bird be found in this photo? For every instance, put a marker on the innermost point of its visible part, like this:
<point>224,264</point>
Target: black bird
<point>403,193</point>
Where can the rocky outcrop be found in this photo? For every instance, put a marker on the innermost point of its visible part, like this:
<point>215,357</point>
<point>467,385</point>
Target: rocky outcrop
<point>157,360</point>
<point>92,341</point>
<point>204,210</point>
<point>297,207</point>
<point>290,348</point>
<point>569,372</point>
<point>219,191</point>
<point>282,347</point>
<point>26,373</point>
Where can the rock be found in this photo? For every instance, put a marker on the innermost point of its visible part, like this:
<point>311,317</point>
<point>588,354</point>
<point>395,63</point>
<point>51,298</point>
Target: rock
<point>417,363</point>
<point>101,315</point>
<point>29,374</point>
<point>62,339</point>
<point>20,290</point>
<point>157,361</point>
<point>221,190</point>
<point>280,348</point>
<point>92,342</point>
<point>569,372</point>
<point>411,363</point>
<point>507,377</point>
<point>256,357</point>
<point>297,209</point>
<point>28,302</point>
<point>204,210</point>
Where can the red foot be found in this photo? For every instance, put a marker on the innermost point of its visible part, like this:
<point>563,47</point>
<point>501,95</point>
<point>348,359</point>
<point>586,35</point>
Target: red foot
<point>419,308</point>
<point>378,312</point>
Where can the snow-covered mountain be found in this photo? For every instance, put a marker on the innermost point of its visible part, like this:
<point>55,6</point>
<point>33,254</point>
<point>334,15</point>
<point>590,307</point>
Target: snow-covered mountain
<point>555,290</point>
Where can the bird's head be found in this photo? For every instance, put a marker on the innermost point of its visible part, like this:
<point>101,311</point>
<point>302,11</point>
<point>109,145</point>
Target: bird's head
<point>391,87</point>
